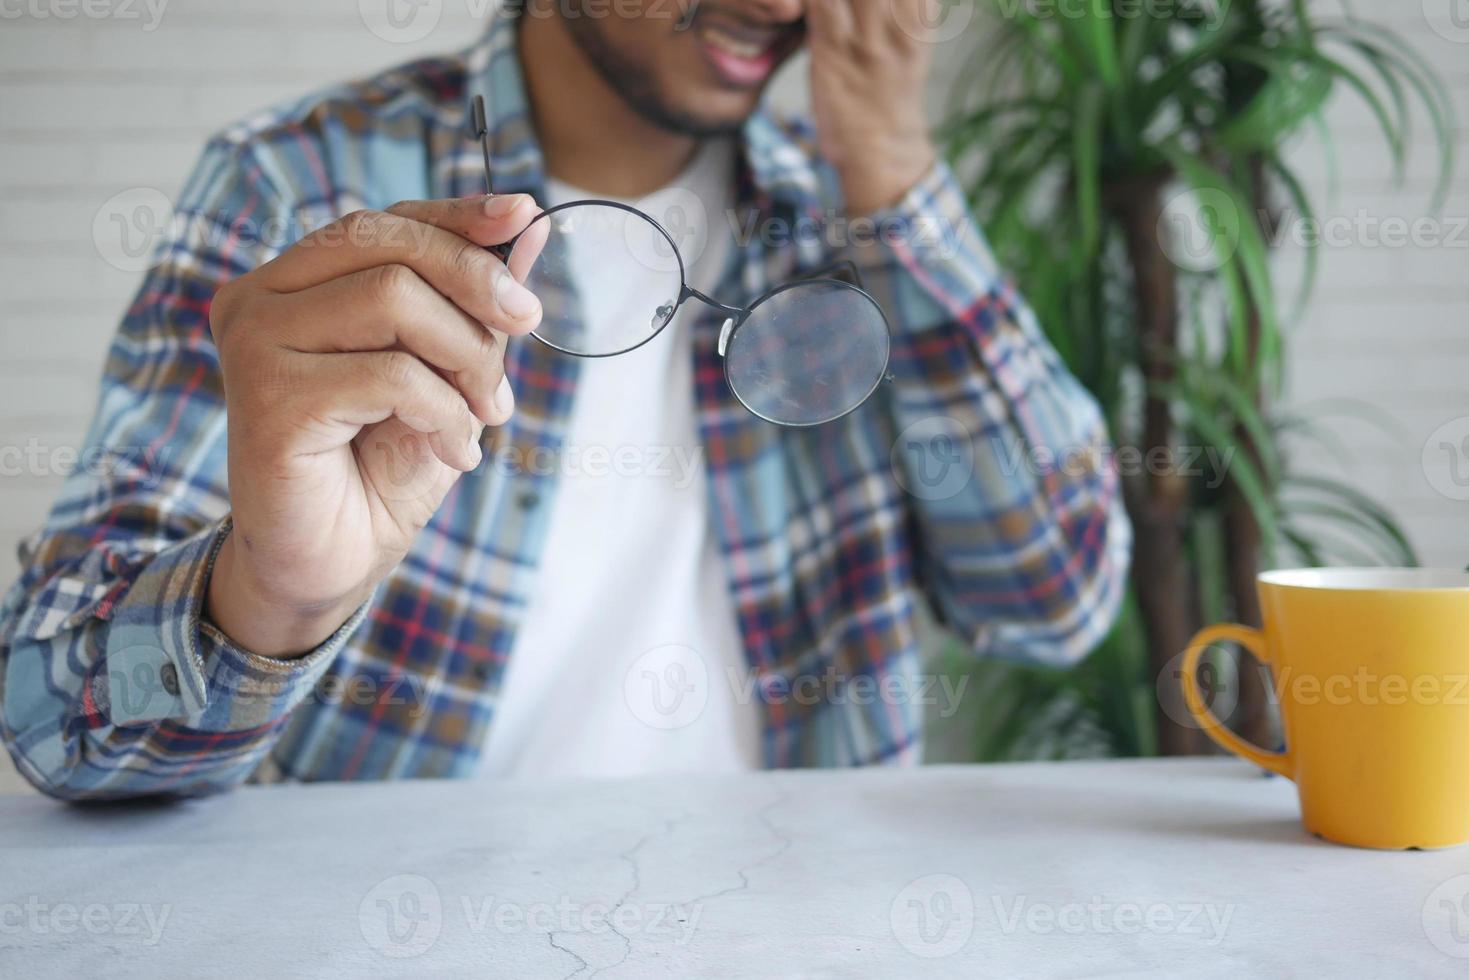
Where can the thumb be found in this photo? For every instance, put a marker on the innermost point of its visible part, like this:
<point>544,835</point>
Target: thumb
<point>485,220</point>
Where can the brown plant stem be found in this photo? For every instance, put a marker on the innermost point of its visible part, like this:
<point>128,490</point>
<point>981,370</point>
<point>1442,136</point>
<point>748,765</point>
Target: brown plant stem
<point>1158,501</point>
<point>1252,717</point>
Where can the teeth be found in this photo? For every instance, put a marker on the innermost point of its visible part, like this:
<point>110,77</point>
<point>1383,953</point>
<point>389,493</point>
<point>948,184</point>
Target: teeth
<point>735,46</point>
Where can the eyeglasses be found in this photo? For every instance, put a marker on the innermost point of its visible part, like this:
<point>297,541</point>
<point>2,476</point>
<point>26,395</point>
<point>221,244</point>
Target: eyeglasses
<point>802,354</point>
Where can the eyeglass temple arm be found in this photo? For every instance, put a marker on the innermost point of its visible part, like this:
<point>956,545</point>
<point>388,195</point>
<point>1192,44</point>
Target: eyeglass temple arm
<point>481,124</point>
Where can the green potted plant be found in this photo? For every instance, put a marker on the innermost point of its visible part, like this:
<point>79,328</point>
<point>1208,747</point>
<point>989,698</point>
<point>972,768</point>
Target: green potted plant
<point>1078,131</point>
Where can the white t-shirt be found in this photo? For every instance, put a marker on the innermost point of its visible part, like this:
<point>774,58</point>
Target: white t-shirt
<point>629,658</point>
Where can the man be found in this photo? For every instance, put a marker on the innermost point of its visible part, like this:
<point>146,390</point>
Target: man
<point>401,572</point>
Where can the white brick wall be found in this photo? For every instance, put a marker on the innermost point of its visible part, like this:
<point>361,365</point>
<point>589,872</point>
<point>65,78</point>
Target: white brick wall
<point>1390,325</point>
<point>92,107</point>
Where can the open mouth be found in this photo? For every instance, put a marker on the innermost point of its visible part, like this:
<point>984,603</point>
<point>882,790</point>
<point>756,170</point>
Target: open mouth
<point>743,56</point>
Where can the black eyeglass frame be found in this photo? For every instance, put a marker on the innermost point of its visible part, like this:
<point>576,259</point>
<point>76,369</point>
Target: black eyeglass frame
<point>736,316</point>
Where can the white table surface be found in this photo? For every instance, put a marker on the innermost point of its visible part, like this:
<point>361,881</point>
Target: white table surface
<point>1192,868</point>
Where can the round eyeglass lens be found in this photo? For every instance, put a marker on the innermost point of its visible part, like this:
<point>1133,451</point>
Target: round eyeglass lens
<point>608,278</point>
<point>809,353</point>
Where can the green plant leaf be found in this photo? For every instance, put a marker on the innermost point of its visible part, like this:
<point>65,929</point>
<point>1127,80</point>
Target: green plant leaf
<point>1088,151</point>
<point>1349,502</point>
<point>1250,249</point>
<point>1400,57</point>
<point>1301,201</point>
<point>1297,88</point>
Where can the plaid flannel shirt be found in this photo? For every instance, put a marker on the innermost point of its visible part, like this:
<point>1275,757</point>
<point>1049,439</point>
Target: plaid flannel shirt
<point>972,481</point>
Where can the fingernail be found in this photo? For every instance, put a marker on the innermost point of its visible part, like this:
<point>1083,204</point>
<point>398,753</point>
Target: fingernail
<point>475,452</point>
<point>500,205</point>
<point>505,399</point>
<point>514,298</point>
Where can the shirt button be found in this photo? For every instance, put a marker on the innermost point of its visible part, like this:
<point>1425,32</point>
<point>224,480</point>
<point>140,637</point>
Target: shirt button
<point>169,675</point>
<point>529,500</point>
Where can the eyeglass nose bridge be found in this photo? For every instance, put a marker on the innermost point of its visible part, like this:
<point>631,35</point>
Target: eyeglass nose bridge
<point>734,315</point>
<point>689,292</point>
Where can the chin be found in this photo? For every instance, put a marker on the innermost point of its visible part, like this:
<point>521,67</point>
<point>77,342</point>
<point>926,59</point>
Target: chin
<point>699,113</point>
<point>711,118</point>
<point>706,106</point>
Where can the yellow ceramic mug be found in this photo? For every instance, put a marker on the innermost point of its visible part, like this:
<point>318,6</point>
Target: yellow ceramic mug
<point>1371,669</point>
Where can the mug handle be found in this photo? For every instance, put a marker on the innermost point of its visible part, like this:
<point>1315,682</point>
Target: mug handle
<point>1253,641</point>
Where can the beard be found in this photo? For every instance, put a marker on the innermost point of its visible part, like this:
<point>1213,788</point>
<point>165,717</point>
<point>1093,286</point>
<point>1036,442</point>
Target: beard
<point>635,84</point>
